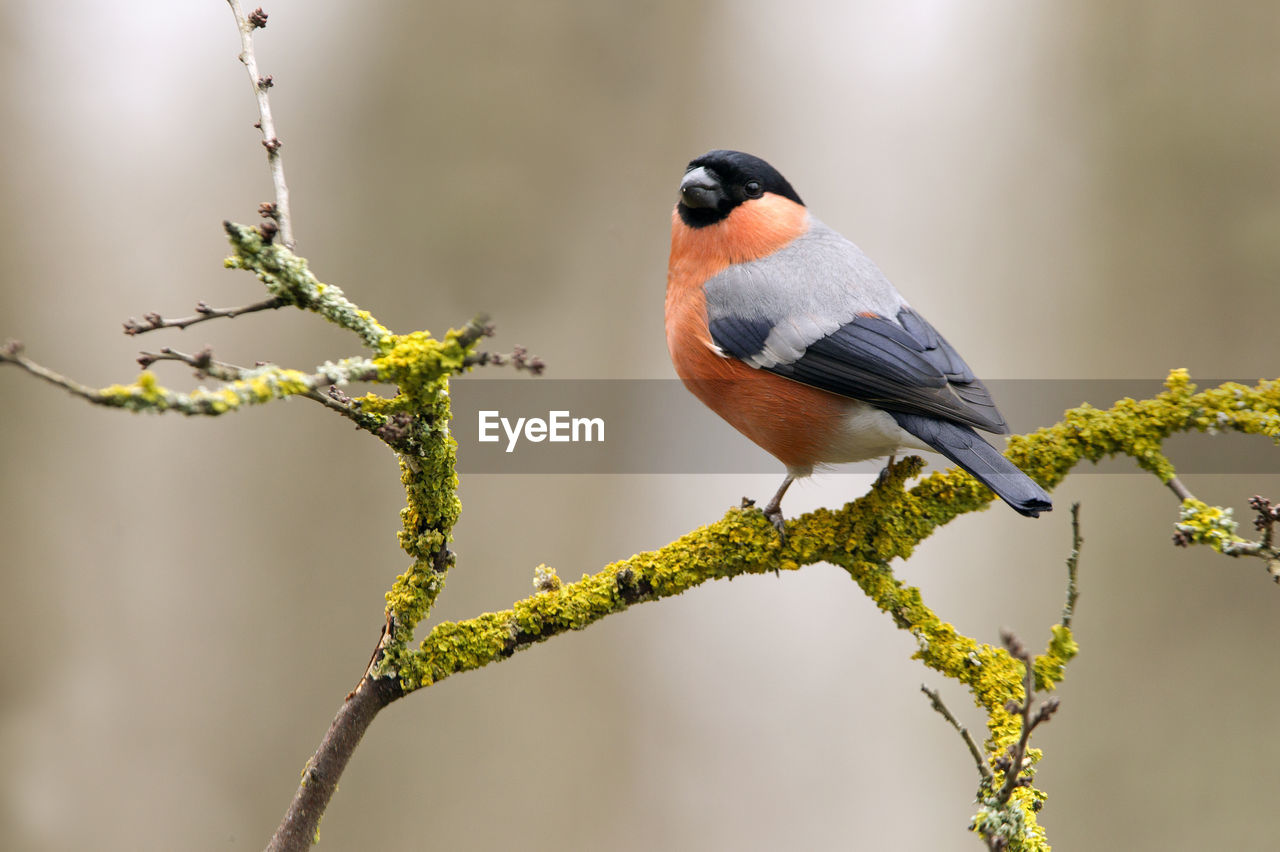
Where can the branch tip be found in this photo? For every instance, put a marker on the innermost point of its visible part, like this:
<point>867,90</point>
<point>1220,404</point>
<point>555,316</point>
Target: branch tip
<point>151,320</point>
<point>1073,566</point>
<point>257,19</point>
<point>935,699</point>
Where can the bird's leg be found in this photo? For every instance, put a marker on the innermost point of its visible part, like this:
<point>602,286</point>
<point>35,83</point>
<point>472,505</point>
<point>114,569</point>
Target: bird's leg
<point>773,510</point>
<point>886,471</point>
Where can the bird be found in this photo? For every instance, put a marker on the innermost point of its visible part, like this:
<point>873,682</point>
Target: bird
<point>789,332</point>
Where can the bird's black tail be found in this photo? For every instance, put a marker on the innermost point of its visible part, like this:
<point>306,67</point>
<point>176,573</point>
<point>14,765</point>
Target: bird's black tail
<point>966,448</point>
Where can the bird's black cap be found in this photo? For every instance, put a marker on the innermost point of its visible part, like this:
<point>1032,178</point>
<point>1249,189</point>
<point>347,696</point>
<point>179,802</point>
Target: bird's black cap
<point>718,181</point>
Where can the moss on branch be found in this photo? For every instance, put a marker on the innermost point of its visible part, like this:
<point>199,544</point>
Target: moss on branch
<point>287,277</point>
<point>257,386</point>
<point>864,537</point>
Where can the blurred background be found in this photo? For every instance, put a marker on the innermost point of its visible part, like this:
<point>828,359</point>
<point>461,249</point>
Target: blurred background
<point>1082,192</point>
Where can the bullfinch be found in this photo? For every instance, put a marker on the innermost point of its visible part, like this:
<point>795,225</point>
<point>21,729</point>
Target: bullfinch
<point>788,331</point>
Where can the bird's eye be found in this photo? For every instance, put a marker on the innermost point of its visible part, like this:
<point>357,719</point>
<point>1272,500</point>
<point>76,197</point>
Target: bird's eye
<point>753,189</point>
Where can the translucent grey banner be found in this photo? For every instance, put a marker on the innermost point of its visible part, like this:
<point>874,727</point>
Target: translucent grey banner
<point>546,426</point>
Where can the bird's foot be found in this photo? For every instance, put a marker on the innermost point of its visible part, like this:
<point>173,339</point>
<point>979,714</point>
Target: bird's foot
<point>885,472</point>
<point>779,523</point>
<point>773,514</point>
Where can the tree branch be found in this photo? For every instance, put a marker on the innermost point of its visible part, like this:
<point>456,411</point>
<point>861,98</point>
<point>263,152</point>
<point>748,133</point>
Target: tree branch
<point>153,321</point>
<point>11,353</point>
<point>1073,564</point>
<point>1176,486</point>
<point>935,699</point>
<point>297,831</point>
<point>280,214</point>
<point>1016,761</point>
<point>244,386</point>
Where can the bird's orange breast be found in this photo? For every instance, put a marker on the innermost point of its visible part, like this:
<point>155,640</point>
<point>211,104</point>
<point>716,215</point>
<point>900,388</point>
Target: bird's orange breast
<point>793,422</point>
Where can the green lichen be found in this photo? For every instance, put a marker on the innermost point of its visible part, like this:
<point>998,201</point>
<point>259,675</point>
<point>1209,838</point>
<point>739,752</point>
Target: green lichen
<point>865,537</point>
<point>1201,523</point>
<point>420,366</point>
<point>287,277</point>
<point>259,385</point>
<point>1051,665</point>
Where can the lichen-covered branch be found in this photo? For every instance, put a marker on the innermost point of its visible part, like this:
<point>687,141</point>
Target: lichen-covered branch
<point>255,386</point>
<point>287,277</point>
<point>864,537</point>
<point>999,821</point>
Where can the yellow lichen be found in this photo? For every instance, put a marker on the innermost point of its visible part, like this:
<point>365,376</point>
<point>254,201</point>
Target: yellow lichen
<point>864,537</point>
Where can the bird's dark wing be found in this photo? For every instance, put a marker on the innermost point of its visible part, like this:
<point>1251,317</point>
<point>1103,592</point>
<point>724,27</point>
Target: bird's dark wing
<point>900,363</point>
<point>820,312</point>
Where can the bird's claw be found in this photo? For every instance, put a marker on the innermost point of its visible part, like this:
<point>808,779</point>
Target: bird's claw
<point>885,472</point>
<point>773,514</point>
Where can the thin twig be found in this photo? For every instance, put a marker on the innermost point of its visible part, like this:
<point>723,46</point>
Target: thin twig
<point>519,358</point>
<point>1013,764</point>
<point>205,365</point>
<point>364,421</point>
<point>153,321</point>
<point>1265,523</point>
<point>936,699</point>
<point>247,24</point>
<point>1073,562</point>
<point>202,401</point>
<point>203,362</point>
<point>1176,486</point>
<point>476,328</point>
<point>11,352</point>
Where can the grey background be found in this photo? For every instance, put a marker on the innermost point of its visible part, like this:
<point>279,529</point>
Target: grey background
<point>657,426</point>
<point>1082,192</point>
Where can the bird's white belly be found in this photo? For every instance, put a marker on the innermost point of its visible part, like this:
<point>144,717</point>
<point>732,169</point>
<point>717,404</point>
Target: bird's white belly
<point>867,432</point>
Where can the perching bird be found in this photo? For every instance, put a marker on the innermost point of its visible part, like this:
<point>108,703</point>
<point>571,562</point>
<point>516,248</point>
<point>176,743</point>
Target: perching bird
<point>788,331</point>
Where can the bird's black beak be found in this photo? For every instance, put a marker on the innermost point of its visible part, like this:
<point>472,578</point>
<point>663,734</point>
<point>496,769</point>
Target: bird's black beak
<point>701,188</point>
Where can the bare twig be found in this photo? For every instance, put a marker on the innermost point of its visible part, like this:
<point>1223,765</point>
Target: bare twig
<point>11,352</point>
<point>936,699</point>
<point>203,362</point>
<point>1014,762</point>
<point>519,358</point>
<point>153,321</point>
<point>1176,486</point>
<point>257,19</point>
<point>1265,522</point>
<point>1073,562</point>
